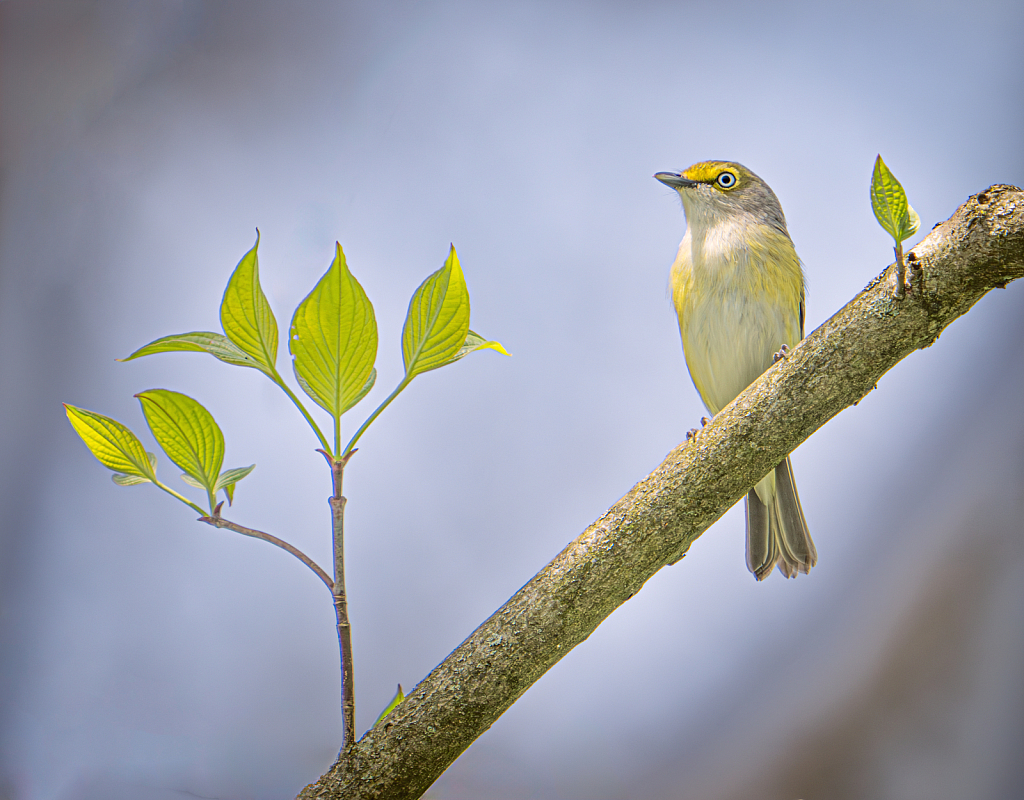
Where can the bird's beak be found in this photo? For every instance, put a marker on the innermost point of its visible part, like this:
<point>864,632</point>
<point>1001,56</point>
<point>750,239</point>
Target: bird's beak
<point>675,180</point>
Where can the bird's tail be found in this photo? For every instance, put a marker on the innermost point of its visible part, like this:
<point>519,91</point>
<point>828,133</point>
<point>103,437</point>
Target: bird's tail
<point>777,531</point>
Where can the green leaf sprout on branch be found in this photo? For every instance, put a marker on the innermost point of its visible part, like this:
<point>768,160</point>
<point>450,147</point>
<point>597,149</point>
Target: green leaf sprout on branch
<point>398,698</point>
<point>894,214</point>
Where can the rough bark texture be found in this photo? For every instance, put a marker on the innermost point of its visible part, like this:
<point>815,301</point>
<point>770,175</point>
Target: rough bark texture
<point>979,248</point>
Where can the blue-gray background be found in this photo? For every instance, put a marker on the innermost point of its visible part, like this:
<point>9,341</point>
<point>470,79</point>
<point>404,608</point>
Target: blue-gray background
<point>147,656</point>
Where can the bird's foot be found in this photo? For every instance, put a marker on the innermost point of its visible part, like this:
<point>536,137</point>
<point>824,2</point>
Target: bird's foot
<point>783,353</point>
<point>692,433</point>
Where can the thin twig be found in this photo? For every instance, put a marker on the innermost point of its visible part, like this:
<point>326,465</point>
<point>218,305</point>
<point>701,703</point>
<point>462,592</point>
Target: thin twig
<point>348,695</point>
<point>218,521</point>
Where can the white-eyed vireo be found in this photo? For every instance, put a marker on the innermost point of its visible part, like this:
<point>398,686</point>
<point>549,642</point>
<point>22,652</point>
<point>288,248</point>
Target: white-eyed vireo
<point>738,289</point>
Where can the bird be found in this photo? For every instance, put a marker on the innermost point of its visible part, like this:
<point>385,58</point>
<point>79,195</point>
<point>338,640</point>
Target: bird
<point>737,285</point>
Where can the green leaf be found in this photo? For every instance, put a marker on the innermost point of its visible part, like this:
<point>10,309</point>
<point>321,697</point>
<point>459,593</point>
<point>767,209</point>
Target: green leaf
<point>115,446</point>
<point>128,480</point>
<point>246,316</point>
<point>334,340</point>
<point>216,344</point>
<point>436,332</point>
<point>438,320</point>
<point>192,481</point>
<point>229,477</point>
<point>187,432</point>
<point>372,379</point>
<point>398,698</point>
<point>474,341</point>
<point>914,222</point>
<point>889,202</point>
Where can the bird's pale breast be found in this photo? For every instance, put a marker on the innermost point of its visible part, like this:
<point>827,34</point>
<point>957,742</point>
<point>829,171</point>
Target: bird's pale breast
<point>738,299</point>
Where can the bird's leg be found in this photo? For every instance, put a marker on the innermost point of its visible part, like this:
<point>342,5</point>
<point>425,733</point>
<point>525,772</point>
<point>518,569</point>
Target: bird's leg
<point>692,433</point>
<point>783,352</point>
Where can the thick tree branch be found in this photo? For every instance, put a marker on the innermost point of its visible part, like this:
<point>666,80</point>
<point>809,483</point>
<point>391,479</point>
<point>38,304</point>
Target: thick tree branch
<point>979,248</point>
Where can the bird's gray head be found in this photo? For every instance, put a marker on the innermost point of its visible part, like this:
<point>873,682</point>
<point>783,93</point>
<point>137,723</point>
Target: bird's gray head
<point>720,190</point>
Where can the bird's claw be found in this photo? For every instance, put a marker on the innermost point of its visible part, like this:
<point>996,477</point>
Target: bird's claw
<point>692,433</point>
<point>783,353</point>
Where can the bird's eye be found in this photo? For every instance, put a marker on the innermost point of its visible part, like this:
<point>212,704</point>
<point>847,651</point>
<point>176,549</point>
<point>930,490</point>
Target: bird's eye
<point>726,180</point>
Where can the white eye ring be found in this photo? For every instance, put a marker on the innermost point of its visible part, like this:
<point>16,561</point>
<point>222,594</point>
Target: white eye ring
<point>726,180</point>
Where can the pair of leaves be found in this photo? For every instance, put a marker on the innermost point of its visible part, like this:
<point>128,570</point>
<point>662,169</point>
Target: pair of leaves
<point>333,334</point>
<point>246,317</point>
<point>333,337</point>
<point>183,428</point>
<point>889,202</point>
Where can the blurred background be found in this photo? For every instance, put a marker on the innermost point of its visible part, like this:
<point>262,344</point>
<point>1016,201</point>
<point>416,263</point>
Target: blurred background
<point>143,655</point>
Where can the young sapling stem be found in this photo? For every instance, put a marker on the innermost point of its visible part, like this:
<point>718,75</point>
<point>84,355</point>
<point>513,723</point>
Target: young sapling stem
<point>337,502</point>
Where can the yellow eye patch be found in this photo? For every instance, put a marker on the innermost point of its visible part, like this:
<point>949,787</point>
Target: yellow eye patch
<point>713,172</point>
